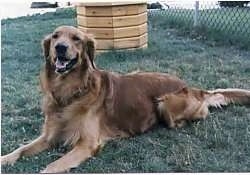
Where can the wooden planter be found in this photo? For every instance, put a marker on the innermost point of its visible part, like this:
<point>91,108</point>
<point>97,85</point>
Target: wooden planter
<point>115,25</point>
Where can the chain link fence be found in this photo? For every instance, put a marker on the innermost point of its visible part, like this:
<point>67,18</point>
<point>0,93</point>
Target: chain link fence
<point>221,22</point>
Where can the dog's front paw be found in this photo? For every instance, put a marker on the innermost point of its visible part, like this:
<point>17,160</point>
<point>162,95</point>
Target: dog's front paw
<point>54,169</point>
<point>9,159</point>
<point>48,170</point>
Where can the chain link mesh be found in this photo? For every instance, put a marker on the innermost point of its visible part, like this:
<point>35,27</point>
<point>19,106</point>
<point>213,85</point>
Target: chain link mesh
<point>230,21</point>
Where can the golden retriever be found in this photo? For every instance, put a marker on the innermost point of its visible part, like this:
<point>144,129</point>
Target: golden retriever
<point>84,106</point>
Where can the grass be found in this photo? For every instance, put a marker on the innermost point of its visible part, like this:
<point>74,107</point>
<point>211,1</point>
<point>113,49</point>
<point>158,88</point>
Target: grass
<point>221,143</point>
<point>223,25</point>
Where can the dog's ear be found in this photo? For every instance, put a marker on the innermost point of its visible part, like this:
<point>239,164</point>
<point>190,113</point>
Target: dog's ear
<point>90,49</point>
<point>46,45</point>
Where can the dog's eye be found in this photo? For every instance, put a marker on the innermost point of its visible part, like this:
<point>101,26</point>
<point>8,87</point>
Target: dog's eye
<point>55,36</point>
<point>76,38</point>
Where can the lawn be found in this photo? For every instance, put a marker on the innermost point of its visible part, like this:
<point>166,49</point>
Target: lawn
<point>221,143</point>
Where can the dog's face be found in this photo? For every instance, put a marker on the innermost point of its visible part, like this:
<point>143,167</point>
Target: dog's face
<point>68,48</point>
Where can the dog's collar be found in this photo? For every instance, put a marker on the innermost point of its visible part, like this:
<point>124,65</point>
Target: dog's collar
<point>80,92</point>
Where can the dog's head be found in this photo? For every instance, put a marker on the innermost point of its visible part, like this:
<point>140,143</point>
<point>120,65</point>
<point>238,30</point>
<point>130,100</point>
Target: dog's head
<point>68,48</point>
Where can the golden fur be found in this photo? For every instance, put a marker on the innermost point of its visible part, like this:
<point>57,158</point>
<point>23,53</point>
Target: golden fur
<point>192,104</point>
<point>84,106</point>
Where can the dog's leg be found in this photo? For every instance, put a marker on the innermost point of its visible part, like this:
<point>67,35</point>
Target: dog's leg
<point>81,152</point>
<point>169,120</point>
<point>201,112</point>
<point>34,147</point>
<point>180,123</point>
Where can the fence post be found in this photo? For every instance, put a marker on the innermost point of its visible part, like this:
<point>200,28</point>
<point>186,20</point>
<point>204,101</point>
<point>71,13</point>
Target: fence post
<point>196,13</point>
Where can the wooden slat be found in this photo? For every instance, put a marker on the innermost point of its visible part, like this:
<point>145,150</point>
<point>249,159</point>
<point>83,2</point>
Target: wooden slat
<point>94,11</point>
<point>120,21</point>
<point>123,21</point>
<point>99,33</point>
<point>114,33</point>
<point>107,11</point>
<point>111,3</point>
<point>95,21</point>
<point>81,10</point>
<point>130,31</point>
<point>99,51</point>
<point>131,42</point>
<point>105,44</point>
<point>122,43</point>
<point>129,9</point>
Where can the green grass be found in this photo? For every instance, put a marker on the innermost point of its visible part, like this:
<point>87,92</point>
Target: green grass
<point>223,25</point>
<point>221,143</point>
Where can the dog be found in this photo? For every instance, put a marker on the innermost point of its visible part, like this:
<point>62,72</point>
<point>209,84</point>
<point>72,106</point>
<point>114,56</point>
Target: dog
<point>192,104</point>
<point>84,106</point>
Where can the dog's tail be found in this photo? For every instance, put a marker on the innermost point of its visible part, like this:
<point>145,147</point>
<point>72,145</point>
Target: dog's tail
<point>221,97</point>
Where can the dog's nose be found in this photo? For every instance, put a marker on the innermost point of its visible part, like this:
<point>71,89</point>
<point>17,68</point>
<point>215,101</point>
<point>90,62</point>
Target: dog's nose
<point>61,48</point>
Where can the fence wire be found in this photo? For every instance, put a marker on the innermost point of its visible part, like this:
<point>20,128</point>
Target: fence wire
<point>231,22</point>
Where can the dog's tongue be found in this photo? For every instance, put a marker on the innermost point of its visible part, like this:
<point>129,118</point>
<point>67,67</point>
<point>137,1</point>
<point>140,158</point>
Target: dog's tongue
<point>60,64</point>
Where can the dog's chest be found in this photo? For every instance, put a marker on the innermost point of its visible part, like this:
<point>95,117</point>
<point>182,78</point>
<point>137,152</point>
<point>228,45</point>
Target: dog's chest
<point>81,126</point>
<point>66,93</point>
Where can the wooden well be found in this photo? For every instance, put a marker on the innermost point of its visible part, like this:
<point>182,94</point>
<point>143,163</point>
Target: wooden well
<point>115,25</point>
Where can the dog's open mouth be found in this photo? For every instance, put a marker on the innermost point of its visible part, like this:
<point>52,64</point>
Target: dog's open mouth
<point>64,64</point>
